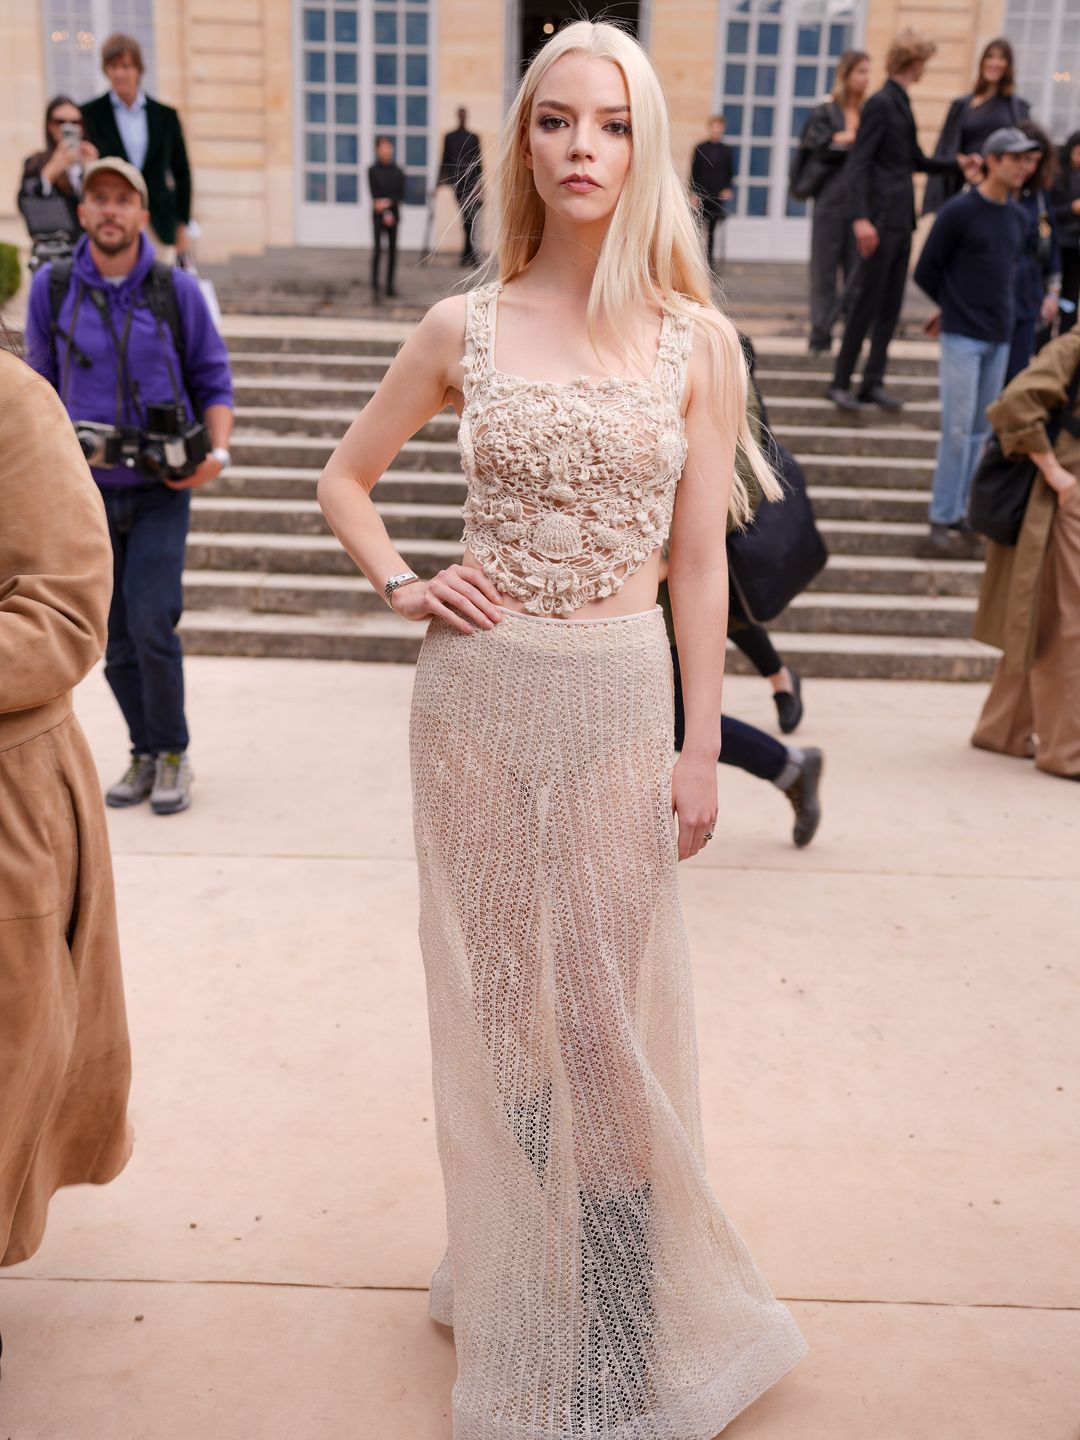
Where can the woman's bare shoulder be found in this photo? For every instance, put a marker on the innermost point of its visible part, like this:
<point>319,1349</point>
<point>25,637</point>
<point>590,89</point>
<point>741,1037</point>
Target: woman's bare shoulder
<point>444,324</point>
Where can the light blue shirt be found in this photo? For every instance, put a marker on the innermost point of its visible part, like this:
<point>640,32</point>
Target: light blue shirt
<point>131,122</point>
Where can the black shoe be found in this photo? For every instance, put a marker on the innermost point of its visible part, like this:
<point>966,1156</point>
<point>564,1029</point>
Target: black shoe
<point>803,794</point>
<point>789,706</point>
<point>880,396</point>
<point>962,526</point>
<point>843,398</point>
<point>942,539</point>
<point>820,347</point>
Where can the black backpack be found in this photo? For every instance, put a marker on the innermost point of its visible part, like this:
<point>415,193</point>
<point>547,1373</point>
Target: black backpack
<point>158,289</point>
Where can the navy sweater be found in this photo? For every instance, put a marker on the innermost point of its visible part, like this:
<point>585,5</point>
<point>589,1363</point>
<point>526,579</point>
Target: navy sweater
<point>968,266</point>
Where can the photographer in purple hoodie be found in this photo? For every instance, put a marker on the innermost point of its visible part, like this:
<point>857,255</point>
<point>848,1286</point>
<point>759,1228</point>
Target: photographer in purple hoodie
<point>138,363</point>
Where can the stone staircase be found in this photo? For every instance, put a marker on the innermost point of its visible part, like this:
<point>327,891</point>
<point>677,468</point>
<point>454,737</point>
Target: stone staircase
<point>266,577</point>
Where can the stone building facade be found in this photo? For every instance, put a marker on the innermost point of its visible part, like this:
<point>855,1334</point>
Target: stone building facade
<point>282,99</point>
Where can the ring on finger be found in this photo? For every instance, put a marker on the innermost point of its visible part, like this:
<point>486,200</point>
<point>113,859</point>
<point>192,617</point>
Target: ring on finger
<point>707,836</point>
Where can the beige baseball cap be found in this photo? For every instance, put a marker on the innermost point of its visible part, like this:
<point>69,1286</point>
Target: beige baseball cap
<point>120,167</point>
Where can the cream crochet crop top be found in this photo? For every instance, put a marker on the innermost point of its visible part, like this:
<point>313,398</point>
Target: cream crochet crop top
<point>570,486</point>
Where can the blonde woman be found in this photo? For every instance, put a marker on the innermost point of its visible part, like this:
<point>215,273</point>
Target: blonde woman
<point>594,1284</point>
<point>829,134</point>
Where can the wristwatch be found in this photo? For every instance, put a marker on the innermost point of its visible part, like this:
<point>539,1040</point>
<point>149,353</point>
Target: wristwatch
<point>222,456</point>
<point>395,583</point>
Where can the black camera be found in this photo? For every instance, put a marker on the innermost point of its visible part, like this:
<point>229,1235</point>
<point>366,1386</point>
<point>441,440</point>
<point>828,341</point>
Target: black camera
<point>170,448</point>
<point>49,222</point>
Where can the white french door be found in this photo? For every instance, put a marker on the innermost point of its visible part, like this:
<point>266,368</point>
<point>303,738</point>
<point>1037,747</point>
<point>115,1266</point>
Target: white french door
<point>365,68</point>
<point>775,61</point>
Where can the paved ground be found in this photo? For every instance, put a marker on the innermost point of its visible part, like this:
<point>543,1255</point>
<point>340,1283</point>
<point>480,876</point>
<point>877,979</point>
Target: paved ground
<point>888,1029</point>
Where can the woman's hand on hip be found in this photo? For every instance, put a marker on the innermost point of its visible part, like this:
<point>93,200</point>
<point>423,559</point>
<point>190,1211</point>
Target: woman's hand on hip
<point>693,801</point>
<point>461,595</point>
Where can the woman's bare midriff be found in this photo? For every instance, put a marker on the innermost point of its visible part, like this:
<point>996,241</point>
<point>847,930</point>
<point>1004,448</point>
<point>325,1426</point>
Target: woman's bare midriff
<point>637,595</point>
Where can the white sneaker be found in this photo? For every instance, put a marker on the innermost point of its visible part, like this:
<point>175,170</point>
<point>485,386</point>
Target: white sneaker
<point>135,784</point>
<point>172,783</point>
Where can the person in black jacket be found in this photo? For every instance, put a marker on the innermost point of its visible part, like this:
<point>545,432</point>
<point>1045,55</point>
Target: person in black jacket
<point>712,173</point>
<point>1065,202</point>
<point>885,154</point>
<point>973,118</point>
<point>386,181</point>
<point>128,123</point>
<point>461,169</point>
<point>57,170</point>
<point>830,134</point>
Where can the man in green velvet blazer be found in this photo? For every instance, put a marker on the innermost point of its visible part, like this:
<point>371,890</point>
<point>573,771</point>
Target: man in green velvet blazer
<point>128,123</point>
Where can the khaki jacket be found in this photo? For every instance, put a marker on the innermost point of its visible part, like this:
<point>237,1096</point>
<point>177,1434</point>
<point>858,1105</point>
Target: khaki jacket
<point>64,1057</point>
<point>1008,600</point>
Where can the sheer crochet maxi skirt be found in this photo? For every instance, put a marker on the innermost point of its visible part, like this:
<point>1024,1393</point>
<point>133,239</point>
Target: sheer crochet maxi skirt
<point>594,1284</point>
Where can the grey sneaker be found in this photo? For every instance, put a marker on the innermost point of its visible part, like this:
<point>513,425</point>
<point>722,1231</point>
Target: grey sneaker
<point>134,785</point>
<point>803,794</point>
<point>172,784</point>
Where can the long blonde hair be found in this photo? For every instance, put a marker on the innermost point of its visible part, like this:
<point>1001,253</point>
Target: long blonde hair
<point>652,255</point>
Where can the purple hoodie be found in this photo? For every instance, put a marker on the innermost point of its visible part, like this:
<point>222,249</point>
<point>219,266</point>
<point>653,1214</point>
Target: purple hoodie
<point>90,393</point>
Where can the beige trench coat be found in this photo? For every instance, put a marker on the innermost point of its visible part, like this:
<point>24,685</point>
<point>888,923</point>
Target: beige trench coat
<point>64,1057</point>
<point>1008,601</point>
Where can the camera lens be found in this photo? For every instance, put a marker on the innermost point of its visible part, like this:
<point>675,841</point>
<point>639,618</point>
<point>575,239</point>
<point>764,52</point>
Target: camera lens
<point>152,460</point>
<point>89,443</point>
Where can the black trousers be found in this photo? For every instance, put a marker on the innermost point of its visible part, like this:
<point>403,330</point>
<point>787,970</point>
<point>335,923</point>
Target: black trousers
<point>389,234</point>
<point>468,208</point>
<point>1070,283</point>
<point>874,304</point>
<point>715,214</point>
<point>741,745</point>
<point>832,254</point>
<point>753,640</point>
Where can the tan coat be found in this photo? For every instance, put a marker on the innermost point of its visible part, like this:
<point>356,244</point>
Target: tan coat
<point>64,1056</point>
<point>1008,601</point>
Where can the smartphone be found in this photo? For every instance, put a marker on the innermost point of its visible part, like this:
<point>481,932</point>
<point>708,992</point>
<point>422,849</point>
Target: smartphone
<point>72,133</point>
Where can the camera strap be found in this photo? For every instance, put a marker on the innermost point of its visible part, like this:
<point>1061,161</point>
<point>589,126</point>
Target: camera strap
<point>126,388</point>
<point>72,347</point>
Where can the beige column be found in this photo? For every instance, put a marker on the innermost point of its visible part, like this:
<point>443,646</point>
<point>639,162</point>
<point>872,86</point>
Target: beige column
<point>683,47</point>
<point>22,107</point>
<point>470,43</point>
<point>214,65</point>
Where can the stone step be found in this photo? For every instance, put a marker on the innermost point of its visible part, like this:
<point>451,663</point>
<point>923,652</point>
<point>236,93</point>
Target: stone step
<point>822,611</point>
<point>324,407</point>
<point>899,576</point>
<point>274,353</point>
<point>836,613</point>
<point>282,482</point>
<point>250,447</point>
<point>319,341</point>
<point>430,518</point>
<point>302,452</point>
<point>386,637</point>
<point>320,554</point>
<point>324,423</point>
<point>847,439</point>
<point>783,382</point>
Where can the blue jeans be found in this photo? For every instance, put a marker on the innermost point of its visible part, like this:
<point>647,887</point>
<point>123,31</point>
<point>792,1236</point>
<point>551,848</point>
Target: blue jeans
<point>144,662</point>
<point>972,373</point>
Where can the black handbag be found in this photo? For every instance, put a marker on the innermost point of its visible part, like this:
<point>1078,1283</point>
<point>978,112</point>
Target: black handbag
<point>780,551</point>
<point>1001,486</point>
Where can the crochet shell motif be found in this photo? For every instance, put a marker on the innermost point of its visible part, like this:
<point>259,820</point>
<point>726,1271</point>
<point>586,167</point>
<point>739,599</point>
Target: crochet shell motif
<point>570,486</point>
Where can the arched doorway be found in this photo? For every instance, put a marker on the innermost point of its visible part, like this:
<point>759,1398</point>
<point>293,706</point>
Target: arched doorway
<point>537,21</point>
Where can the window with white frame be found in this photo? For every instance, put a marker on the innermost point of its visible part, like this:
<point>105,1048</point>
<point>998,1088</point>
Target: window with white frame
<point>1045,35</point>
<point>366,72</point>
<point>776,62</point>
<point>74,31</point>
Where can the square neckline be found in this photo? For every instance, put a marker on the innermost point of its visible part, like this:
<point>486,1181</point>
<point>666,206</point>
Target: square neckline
<point>651,379</point>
